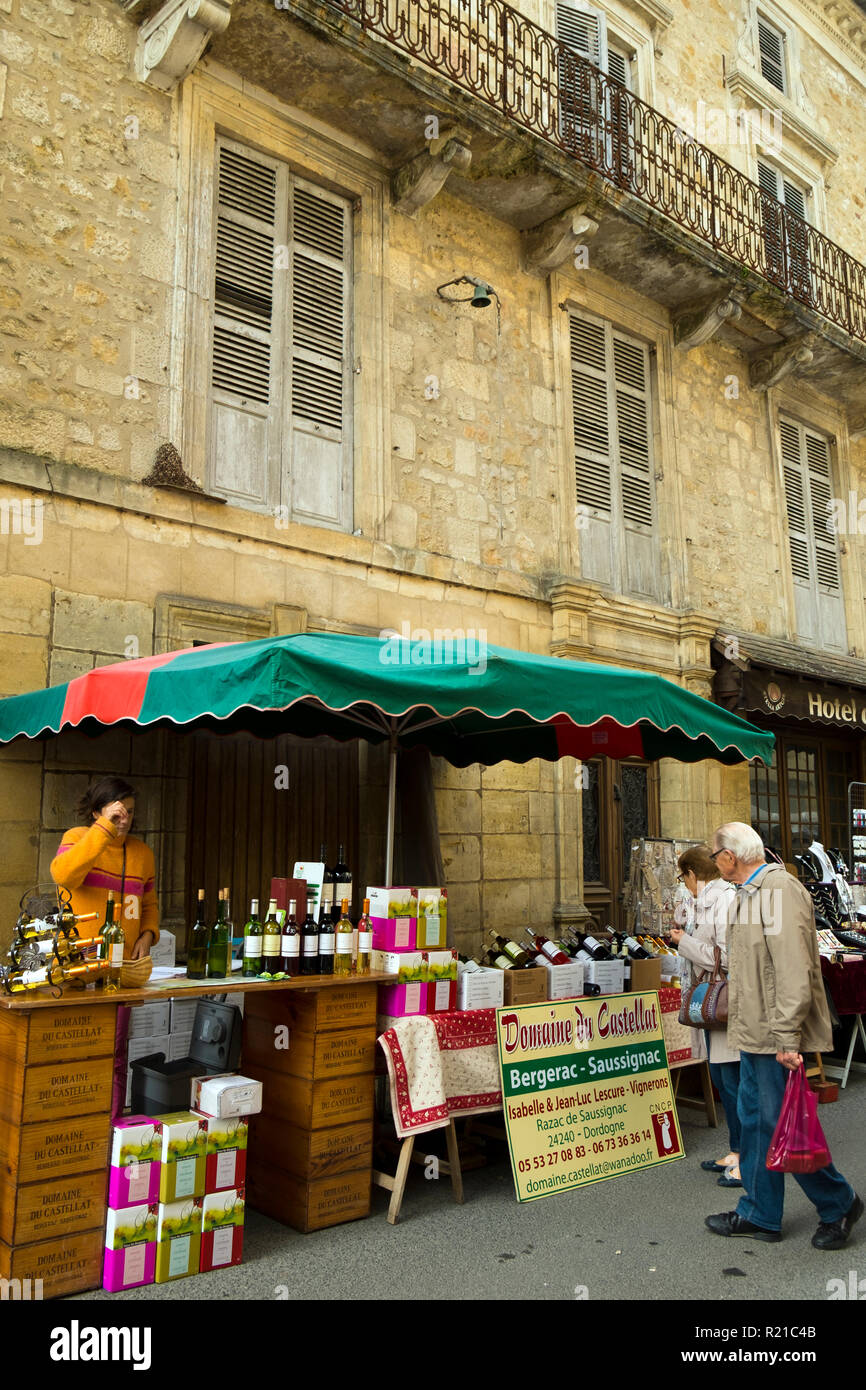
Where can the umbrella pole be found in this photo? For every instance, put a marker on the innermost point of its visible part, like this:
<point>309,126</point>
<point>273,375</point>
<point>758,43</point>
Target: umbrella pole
<point>392,800</point>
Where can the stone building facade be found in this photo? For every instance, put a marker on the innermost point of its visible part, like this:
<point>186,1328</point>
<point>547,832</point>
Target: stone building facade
<point>445,494</point>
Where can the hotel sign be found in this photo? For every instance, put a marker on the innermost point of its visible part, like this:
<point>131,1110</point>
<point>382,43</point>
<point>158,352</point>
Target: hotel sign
<point>839,706</point>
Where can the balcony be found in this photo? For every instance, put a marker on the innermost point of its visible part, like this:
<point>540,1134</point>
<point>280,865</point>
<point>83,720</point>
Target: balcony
<point>549,131</point>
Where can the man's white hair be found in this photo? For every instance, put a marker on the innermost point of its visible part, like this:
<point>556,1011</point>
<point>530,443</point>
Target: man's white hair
<point>743,842</point>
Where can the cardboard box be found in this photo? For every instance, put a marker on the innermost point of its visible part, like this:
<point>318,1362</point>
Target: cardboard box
<point>142,1047</point>
<point>164,951</point>
<point>182,1015</point>
<point>226,1095</point>
<point>432,924</point>
<point>179,1045</point>
<point>645,974</point>
<point>285,889</point>
<point>184,1140</point>
<point>222,1236</point>
<point>565,981</point>
<point>178,1239</point>
<point>134,1163</point>
<point>525,986</point>
<point>226,1153</point>
<point>609,975</point>
<point>394,918</point>
<point>130,1247</point>
<point>405,966</point>
<point>149,1020</point>
<point>481,989</point>
<point>401,1001</point>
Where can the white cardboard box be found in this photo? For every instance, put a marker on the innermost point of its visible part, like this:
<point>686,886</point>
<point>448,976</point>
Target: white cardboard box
<point>164,951</point>
<point>178,1046</point>
<point>609,975</point>
<point>182,1015</point>
<point>149,1020</point>
<point>228,1094</point>
<point>566,981</point>
<point>480,989</point>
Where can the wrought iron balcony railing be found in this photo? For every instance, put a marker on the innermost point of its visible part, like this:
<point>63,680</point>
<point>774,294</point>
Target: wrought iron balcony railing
<point>494,53</point>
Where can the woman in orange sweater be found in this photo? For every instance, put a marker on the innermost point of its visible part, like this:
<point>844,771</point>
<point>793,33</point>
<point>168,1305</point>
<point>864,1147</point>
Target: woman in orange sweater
<point>100,855</point>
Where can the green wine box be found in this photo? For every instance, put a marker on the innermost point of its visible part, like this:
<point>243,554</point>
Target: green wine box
<point>178,1239</point>
<point>184,1149</point>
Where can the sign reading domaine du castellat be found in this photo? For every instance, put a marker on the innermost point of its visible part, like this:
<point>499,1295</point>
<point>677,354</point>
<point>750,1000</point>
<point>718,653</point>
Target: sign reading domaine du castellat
<point>586,1091</point>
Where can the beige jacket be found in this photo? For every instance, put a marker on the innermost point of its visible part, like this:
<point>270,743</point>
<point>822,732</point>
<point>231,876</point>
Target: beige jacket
<point>776,1000</point>
<point>712,909</point>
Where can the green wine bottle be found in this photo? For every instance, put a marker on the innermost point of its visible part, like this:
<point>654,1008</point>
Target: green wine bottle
<point>196,956</point>
<point>253,942</point>
<point>218,946</point>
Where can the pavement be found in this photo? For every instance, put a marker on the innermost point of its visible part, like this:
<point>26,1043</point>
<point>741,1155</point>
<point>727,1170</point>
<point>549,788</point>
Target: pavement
<point>639,1236</point>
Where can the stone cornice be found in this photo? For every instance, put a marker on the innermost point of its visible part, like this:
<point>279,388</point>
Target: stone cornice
<point>656,16</point>
<point>173,39</point>
<point>745,81</point>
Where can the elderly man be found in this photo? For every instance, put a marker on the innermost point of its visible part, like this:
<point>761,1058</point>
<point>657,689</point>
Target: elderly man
<point>776,1011</point>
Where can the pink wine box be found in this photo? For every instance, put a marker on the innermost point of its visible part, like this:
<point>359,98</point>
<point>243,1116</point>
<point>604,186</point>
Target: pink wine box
<point>222,1234</point>
<point>136,1149</point>
<point>130,1247</point>
<point>394,918</point>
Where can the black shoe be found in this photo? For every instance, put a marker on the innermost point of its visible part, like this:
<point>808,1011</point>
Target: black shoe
<point>730,1223</point>
<point>709,1165</point>
<point>728,1181</point>
<point>832,1235</point>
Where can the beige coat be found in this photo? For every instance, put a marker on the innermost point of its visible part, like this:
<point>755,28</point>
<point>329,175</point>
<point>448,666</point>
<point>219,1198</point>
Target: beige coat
<point>712,907</point>
<point>776,1000</point>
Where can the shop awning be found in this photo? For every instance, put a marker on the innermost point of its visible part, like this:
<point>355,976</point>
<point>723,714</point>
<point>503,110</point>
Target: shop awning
<point>772,677</point>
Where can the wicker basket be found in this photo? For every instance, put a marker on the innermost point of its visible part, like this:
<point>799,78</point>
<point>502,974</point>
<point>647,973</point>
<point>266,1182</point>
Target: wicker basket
<point>136,973</point>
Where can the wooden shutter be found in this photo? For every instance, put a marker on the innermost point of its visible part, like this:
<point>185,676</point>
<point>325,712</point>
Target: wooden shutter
<point>583,30</point>
<point>613,457</point>
<point>794,199</point>
<point>771,222</point>
<point>771,47</point>
<point>820,610</point>
<point>244,440</point>
<point>320,357</point>
<point>618,66</point>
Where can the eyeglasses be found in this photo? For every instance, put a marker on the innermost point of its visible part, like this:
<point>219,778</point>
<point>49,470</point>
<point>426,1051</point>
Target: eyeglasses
<point>717,852</point>
<point>681,878</point>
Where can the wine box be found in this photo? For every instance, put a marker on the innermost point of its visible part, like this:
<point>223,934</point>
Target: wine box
<point>394,918</point>
<point>179,1045</point>
<point>403,1001</point>
<point>222,1230</point>
<point>35,1211</point>
<point>645,974</point>
<point>432,929</point>
<point>149,1020</point>
<point>226,1153</point>
<point>134,1171</point>
<point>184,1138</point>
<point>130,1247</point>
<point>609,975</point>
<point>178,1239</point>
<point>565,981</point>
<point>182,1015</point>
<point>228,1095</point>
<point>481,989</point>
<point>525,986</point>
<point>283,890</point>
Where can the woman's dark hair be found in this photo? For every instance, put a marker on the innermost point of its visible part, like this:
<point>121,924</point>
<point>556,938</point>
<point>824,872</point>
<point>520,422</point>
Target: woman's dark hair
<point>100,794</point>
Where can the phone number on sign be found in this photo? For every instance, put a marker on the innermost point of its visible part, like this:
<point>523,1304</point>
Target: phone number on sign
<point>623,1141</point>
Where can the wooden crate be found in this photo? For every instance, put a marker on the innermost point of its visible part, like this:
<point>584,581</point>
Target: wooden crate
<point>56,1090</point>
<point>339,1007</point>
<point>54,1149</point>
<point>309,1154</point>
<point>312,1055</point>
<point>314,1104</point>
<point>35,1211</point>
<point>66,1266</point>
<point>309,1206</point>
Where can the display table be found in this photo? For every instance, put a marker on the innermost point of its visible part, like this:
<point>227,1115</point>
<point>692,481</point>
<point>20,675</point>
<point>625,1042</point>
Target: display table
<point>847,985</point>
<point>310,1040</point>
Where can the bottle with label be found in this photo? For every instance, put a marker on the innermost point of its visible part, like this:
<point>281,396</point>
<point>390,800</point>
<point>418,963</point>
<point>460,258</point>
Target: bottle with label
<point>235,946</point>
<point>551,952</point>
<point>253,942</point>
<point>344,934</point>
<point>112,944</point>
<point>326,901</point>
<point>196,956</point>
<point>634,948</point>
<point>271,941</point>
<point>219,946</point>
<point>327,940</point>
<point>596,950</point>
<point>516,954</point>
<point>310,937</point>
<point>342,879</point>
<point>365,941</point>
<point>291,942</point>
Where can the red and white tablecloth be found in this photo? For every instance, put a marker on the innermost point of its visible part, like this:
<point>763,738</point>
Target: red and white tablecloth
<point>441,1065</point>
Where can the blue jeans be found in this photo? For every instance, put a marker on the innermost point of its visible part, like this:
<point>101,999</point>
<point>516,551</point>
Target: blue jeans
<point>726,1079</point>
<point>762,1087</point>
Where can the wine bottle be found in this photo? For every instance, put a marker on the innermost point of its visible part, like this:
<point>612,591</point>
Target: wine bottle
<point>595,949</point>
<point>271,941</point>
<point>548,948</point>
<point>326,901</point>
<point>218,947</point>
<point>634,948</point>
<point>234,943</point>
<point>327,940</point>
<point>365,940</point>
<point>515,953</point>
<point>310,937</point>
<point>343,936</point>
<point>111,945</point>
<point>342,879</point>
<point>196,956</point>
<point>253,942</point>
<point>291,942</point>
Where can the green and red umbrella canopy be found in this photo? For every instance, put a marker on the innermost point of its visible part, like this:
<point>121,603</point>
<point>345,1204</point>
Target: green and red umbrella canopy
<point>465,701</point>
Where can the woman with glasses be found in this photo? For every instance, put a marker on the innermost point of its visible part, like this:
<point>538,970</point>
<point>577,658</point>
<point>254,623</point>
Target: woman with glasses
<point>713,898</point>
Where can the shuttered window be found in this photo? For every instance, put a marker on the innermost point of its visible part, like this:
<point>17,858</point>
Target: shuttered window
<point>581,30</point>
<point>771,49</point>
<point>786,241</point>
<point>613,465</point>
<point>281,382</point>
<point>808,482</point>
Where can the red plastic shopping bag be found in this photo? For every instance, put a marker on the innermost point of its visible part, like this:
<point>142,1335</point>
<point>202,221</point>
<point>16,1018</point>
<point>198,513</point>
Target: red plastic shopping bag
<point>798,1144</point>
